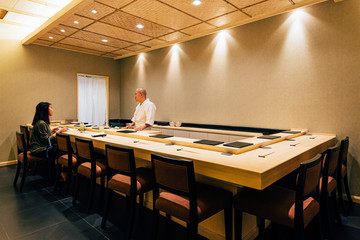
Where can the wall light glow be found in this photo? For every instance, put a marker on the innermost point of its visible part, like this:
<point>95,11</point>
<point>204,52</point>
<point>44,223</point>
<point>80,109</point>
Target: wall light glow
<point>140,64</point>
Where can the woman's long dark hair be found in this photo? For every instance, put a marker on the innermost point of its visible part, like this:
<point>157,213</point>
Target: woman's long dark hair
<point>42,113</point>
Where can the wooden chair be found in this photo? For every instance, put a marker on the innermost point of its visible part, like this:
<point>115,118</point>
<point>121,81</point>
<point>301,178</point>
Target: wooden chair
<point>24,159</point>
<point>342,174</point>
<point>89,166</point>
<point>123,176</point>
<point>24,129</point>
<point>66,159</point>
<point>328,186</point>
<point>281,205</point>
<point>184,198</point>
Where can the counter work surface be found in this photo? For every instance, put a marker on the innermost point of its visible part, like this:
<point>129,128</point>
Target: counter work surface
<point>257,168</point>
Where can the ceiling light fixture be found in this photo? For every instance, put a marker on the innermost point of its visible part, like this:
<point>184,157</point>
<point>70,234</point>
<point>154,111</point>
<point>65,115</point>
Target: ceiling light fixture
<point>51,37</point>
<point>94,11</point>
<point>104,40</point>
<point>139,26</point>
<point>76,22</point>
<point>196,2</point>
<point>62,30</point>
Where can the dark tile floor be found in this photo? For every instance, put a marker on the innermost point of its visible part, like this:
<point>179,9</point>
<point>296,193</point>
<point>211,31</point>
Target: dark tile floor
<point>39,212</point>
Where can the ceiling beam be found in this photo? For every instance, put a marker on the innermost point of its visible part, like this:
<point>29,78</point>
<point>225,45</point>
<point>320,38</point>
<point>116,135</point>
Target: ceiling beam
<point>55,20</point>
<point>46,4</point>
<point>15,23</point>
<point>22,12</point>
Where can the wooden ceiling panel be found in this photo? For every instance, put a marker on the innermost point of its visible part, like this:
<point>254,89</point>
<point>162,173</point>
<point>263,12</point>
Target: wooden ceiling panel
<point>115,3</point>
<point>202,27</point>
<point>128,21</point>
<point>101,11</point>
<point>228,19</point>
<point>268,8</point>
<point>82,22</point>
<point>96,38</point>
<point>153,42</point>
<point>115,32</point>
<point>136,47</point>
<point>173,36</point>
<point>86,44</point>
<point>204,11</point>
<point>52,37</point>
<point>122,52</point>
<point>63,30</point>
<point>43,42</point>
<point>78,49</point>
<point>111,55</point>
<point>160,13</point>
<point>245,3</point>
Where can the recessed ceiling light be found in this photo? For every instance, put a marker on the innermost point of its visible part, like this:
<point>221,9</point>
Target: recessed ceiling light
<point>76,22</point>
<point>94,11</point>
<point>196,2</point>
<point>105,40</point>
<point>62,30</point>
<point>139,26</point>
<point>51,37</point>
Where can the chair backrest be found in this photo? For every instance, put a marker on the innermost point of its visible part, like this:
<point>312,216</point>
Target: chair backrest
<point>20,141</point>
<point>307,184</point>
<point>25,131</point>
<point>176,176</point>
<point>85,153</point>
<point>63,142</point>
<point>344,148</point>
<point>331,160</point>
<point>121,160</point>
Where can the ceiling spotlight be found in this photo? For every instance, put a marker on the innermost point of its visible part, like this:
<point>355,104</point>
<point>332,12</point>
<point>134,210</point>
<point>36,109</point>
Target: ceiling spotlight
<point>196,2</point>
<point>51,37</point>
<point>76,22</point>
<point>104,40</point>
<point>94,11</point>
<point>139,26</point>
<point>62,30</point>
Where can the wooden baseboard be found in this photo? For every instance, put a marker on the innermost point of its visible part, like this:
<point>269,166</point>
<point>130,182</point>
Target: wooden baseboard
<point>8,163</point>
<point>356,199</point>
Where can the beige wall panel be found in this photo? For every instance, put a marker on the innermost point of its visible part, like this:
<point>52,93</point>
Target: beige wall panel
<point>35,73</point>
<point>292,70</point>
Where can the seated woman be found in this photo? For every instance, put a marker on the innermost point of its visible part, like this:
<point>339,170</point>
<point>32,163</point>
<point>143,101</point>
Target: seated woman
<point>43,141</point>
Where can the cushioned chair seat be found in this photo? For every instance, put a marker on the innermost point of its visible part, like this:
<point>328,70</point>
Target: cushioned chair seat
<point>210,200</point>
<point>121,183</point>
<point>331,185</point>
<point>85,170</point>
<point>30,158</point>
<point>280,209</point>
<point>63,160</point>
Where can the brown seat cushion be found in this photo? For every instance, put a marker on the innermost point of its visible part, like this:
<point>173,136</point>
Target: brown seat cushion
<point>210,200</point>
<point>85,170</point>
<point>63,160</point>
<point>276,204</point>
<point>121,183</point>
<point>30,158</point>
<point>331,185</point>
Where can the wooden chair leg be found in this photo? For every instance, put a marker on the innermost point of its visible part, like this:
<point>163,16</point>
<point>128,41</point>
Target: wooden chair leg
<point>228,223</point>
<point>57,177</point>
<point>340,194</point>
<point>337,215</point>
<point>107,205</point>
<point>76,192</point>
<point>238,224</point>
<point>92,193</point>
<point>261,226</point>
<point>346,184</point>
<point>17,172</point>
<point>69,176</point>
<point>132,216</point>
<point>192,230</point>
<point>156,222</point>
<point>23,176</point>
